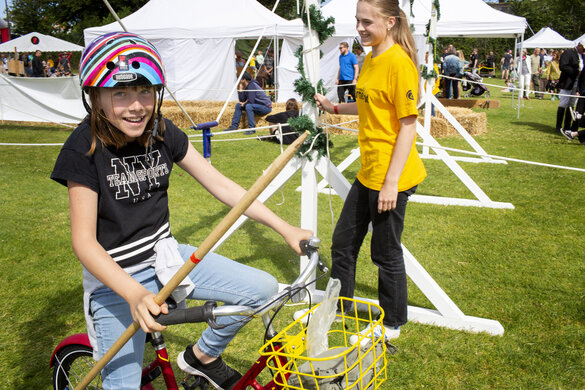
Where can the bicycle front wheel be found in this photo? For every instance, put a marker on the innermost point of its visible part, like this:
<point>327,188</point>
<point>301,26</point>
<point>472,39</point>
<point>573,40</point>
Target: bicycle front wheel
<point>72,364</point>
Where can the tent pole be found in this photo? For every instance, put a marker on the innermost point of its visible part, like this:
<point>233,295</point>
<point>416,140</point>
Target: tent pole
<point>520,94</point>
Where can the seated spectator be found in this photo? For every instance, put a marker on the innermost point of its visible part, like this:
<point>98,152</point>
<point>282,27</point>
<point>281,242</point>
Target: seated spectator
<point>292,111</point>
<point>253,100</point>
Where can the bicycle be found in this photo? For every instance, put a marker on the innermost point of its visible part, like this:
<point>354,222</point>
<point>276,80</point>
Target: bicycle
<point>72,359</point>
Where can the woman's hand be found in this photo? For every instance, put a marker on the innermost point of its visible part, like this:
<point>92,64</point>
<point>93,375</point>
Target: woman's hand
<point>387,197</point>
<point>294,235</point>
<point>323,103</point>
<point>143,307</point>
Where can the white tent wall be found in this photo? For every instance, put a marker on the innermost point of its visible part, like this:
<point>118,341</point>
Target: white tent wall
<point>52,99</point>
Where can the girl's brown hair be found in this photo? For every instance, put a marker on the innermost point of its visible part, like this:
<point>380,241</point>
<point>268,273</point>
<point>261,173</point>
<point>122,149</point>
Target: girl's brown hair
<point>291,104</point>
<point>103,131</point>
<point>400,33</point>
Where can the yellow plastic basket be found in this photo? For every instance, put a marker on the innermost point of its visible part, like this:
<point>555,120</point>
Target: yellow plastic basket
<point>343,366</point>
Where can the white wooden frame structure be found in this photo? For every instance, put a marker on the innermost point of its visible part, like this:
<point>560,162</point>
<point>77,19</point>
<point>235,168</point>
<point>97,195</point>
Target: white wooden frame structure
<point>446,314</point>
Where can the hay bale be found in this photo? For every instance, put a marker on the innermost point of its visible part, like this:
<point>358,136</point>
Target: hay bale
<point>207,111</point>
<point>474,122</point>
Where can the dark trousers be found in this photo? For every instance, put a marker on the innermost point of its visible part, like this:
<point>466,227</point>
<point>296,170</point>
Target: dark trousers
<point>361,208</point>
<point>451,84</point>
<point>342,88</point>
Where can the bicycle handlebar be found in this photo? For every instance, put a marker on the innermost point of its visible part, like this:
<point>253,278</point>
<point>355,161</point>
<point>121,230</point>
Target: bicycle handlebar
<point>209,311</point>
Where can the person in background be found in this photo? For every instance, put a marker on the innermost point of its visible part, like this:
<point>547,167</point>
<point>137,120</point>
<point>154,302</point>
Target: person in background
<point>253,100</point>
<point>348,72</point>
<point>259,58</point>
<point>507,62</point>
<point>452,68</point>
<point>288,136</point>
<point>491,64</point>
<point>360,56</point>
<point>525,75</point>
<point>553,73</point>
<point>391,169</point>
<point>269,66</point>
<point>474,61</point>
<point>571,65</point>
<point>37,66</point>
<point>535,71</point>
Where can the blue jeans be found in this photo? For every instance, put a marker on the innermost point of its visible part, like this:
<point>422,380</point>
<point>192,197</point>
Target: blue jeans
<point>361,208</point>
<point>251,109</point>
<point>215,278</point>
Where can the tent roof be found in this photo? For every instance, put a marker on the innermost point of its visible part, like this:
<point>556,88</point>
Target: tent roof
<point>45,43</point>
<point>3,23</point>
<point>548,38</point>
<point>475,18</point>
<point>576,41</point>
<point>196,19</point>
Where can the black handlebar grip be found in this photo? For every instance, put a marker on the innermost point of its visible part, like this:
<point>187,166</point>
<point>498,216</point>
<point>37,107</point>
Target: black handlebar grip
<point>305,247</point>
<point>191,315</point>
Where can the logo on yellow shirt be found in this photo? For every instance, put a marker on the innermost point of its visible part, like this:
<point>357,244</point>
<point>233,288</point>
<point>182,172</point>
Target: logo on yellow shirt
<point>360,94</point>
<point>409,95</point>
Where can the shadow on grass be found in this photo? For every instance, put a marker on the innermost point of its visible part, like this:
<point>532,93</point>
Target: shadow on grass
<point>261,244</point>
<point>542,127</point>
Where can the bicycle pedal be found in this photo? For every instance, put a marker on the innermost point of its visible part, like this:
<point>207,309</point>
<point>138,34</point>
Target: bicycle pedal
<point>192,382</point>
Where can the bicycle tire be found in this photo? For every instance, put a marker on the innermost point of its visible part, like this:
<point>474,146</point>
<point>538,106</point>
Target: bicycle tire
<point>72,363</point>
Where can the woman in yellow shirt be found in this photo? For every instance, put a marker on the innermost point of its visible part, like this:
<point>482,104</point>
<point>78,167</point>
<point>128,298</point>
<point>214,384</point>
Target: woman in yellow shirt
<point>386,102</point>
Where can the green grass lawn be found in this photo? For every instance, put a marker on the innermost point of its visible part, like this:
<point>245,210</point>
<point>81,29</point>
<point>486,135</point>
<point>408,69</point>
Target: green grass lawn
<point>522,267</point>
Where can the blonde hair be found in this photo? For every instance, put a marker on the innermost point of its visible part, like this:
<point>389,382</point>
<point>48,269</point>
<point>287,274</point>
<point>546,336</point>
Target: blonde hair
<point>400,33</point>
<point>108,135</point>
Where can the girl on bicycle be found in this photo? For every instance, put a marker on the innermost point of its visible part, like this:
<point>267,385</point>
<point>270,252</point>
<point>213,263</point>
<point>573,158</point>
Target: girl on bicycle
<point>386,102</point>
<point>116,165</point>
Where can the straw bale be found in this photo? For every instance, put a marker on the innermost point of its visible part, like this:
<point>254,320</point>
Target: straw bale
<point>474,122</point>
<point>207,111</point>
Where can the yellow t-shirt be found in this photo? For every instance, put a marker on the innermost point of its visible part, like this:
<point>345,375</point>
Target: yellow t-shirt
<point>386,91</point>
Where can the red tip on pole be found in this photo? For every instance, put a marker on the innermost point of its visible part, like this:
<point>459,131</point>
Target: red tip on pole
<point>194,259</point>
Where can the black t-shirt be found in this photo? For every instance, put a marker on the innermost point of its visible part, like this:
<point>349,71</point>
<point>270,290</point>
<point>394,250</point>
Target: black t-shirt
<point>133,208</point>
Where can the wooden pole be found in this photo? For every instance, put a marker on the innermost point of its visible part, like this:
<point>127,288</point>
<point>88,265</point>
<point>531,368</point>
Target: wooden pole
<point>250,196</point>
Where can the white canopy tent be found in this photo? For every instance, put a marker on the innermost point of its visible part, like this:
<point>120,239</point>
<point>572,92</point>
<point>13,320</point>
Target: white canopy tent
<point>196,39</point>
<point>36,41</point>
<point>549,39</point>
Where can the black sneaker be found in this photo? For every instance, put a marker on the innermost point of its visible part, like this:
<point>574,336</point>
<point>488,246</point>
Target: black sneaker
<point>220,375</point>
<point>231,128</point>
<point>568,134</point>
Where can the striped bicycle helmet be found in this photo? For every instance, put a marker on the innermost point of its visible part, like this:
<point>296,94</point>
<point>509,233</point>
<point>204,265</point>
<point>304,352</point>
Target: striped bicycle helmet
<point>120,59</point>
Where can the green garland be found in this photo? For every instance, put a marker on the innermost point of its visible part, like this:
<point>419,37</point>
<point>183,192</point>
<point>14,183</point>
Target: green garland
<point>303,123</point>
<point>425,74</point>
<point>324,28</point>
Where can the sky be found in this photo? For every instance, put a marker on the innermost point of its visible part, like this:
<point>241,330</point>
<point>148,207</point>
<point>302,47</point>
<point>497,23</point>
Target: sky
<point>3,8</point>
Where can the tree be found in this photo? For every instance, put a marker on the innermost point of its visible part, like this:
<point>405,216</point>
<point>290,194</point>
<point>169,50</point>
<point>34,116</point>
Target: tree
<point>567,17</point>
